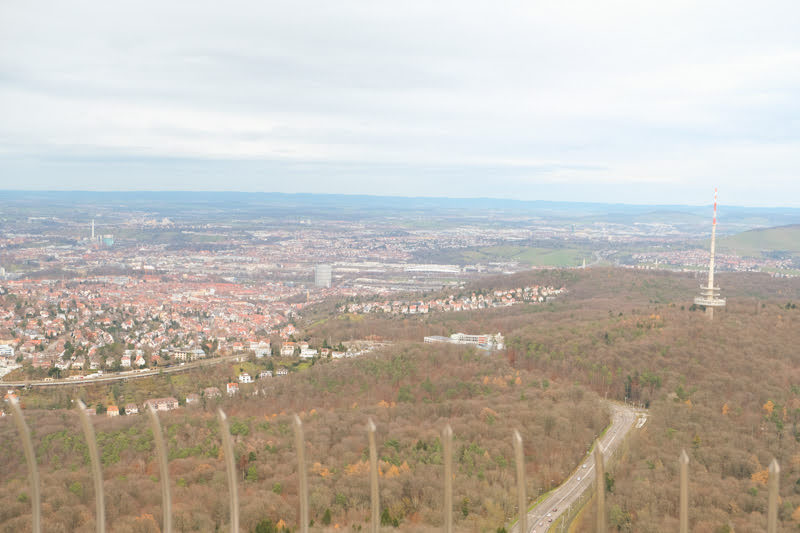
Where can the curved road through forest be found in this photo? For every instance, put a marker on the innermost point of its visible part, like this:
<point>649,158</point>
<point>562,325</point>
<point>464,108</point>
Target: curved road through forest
<point>540,518</point>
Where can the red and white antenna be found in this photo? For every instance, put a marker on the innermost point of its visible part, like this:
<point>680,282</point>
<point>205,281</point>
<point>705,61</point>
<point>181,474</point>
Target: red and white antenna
<point>709,296</point>
<point>715,206</point>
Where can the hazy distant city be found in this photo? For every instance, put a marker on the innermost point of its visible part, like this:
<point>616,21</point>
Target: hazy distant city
<point>166,274</point>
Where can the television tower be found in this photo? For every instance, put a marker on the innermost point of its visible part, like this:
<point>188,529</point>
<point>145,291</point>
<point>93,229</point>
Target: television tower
<point>709,296</point>
<point>92,229</point>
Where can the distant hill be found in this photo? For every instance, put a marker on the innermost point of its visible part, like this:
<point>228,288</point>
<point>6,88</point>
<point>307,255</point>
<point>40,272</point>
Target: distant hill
<point>208,205</point>
<point>753,242</point>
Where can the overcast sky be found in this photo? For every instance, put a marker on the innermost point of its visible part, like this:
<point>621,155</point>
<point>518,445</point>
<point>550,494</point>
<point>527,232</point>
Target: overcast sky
<point>629,101</point>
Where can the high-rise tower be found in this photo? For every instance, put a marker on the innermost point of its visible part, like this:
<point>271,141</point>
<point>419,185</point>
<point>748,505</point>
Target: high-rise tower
<point>709,296</point>
<point>322,276</point>
<point>93,229</point>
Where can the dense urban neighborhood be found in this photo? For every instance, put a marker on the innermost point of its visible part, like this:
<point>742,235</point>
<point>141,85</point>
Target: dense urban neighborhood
<point>474,301</point>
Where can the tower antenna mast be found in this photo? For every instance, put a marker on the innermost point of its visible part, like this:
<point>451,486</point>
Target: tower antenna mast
<point>709,296</point>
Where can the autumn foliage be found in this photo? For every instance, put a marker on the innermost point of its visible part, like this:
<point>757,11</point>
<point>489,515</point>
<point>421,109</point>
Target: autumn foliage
<point>727,391</point>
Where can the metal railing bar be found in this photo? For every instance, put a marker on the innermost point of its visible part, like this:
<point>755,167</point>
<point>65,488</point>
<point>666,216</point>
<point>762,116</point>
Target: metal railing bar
<point>230,467</point>
<point>521,496</point>
<point>161,451</point>
<point>33,469</point>
<point>600,483</point>
<point>374,525</point>
<point>684,503</point>
<point>302,478</point>
<point>772,500</point>
<point>97,474</point>
<point>447,448</point>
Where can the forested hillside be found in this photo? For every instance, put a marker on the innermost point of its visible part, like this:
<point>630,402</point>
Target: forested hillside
<point>727,391</point>
<point>784,240</point>
<point>411,392</point>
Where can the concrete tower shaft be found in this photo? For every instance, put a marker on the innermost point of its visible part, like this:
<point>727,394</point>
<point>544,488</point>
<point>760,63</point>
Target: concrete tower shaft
<point>709,295</point>
<point>713,244</point>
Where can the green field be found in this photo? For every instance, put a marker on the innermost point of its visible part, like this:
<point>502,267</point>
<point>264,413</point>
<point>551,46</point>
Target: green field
<point>527,255</point>
<point>753,242</point>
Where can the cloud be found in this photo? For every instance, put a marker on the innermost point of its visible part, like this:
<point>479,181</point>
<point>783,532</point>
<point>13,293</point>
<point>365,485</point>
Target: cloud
<point>406,99</point>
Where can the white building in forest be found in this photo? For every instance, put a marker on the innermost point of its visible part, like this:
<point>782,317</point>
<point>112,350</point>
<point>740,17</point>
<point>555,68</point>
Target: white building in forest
<point>486,341</point>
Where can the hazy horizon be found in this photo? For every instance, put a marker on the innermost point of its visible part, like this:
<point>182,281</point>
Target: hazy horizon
<point>613,103</point>
<point>391,197</point>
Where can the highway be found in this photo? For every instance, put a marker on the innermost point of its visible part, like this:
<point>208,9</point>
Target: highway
<point>121,376</point>
<point>541,517</point>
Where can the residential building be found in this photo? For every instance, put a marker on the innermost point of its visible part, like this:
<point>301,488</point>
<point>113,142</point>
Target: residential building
<point>287,350</point>
<point>308,353</point>
<point>181,354</point>
<point>261,349</point>
<point>211,392</point>
<point>162,404</point>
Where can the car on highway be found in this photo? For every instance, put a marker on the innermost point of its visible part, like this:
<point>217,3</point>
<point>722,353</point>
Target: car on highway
<point>579,478</point>
<point>585,465</point>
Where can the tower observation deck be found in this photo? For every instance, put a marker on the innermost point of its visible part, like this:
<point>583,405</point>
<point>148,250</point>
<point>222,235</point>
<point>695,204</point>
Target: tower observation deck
<point>709,295</point>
